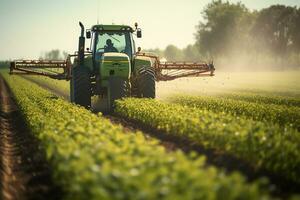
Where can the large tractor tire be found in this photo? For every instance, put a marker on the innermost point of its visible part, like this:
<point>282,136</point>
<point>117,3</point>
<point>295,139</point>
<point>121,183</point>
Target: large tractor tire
<point>80,87</point>
<point>146,83</point>
<point>117,89</point>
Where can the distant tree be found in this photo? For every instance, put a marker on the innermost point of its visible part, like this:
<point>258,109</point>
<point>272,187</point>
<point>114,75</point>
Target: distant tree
<point>54,54</point>
<point>191,53</point>
<point>156,51</point>
<point>295,30</point>
<point>223,22</point>
<point>173,53</point>
<point>4,64</point>
<point>65,54</point>
<point>276,28</point>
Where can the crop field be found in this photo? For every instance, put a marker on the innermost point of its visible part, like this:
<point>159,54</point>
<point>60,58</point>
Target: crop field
<point>233,136</point>
<point>145,100</point>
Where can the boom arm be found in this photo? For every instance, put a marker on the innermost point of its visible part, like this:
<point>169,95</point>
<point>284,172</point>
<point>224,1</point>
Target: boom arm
<point>56,69</point>
<point>166,71</point>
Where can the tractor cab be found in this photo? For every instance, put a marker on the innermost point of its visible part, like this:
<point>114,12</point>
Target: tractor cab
<point>112,38</point>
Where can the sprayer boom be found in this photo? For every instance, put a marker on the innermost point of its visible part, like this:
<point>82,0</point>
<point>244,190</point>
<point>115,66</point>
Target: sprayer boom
<point>56,69</point>
<point>165,71</point>
<point>61,69</point>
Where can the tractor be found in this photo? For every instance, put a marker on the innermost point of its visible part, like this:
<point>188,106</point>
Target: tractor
<point>111,68</point>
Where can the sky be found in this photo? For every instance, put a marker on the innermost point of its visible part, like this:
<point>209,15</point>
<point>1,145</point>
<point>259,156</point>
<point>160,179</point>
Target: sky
<point>31,27</point>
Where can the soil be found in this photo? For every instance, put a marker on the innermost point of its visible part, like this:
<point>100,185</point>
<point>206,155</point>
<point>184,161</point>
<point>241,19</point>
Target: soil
<point>24,172</point>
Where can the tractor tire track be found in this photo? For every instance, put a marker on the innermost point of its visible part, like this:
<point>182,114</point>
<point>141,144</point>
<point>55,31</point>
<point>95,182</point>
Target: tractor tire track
<point>278,186</point>
<point>24,172</point>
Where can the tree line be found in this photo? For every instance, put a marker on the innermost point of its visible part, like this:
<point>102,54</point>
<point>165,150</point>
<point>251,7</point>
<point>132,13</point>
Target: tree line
<point>54,54</point>
<point>231,34</point>
<point>234,36</point>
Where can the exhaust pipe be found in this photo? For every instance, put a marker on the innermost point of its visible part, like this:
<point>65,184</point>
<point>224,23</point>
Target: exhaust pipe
<point>82,29</point>
<point>81,46</point>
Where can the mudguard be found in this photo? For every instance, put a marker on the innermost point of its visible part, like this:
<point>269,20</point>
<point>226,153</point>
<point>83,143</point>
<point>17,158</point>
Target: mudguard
<point>141,62</point>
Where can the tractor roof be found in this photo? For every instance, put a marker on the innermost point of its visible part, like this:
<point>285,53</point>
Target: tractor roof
<point>101,27</point>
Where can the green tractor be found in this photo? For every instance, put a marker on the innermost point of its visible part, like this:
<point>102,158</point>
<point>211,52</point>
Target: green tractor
<point>111,69</point>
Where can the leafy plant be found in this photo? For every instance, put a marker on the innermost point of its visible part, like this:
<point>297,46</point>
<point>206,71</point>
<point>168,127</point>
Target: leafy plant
<point>265,145</point>
<point>94,159</point>
<point>283,115</point>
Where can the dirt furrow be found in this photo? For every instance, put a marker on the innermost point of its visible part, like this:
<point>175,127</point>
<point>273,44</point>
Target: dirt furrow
<point>24,172</point>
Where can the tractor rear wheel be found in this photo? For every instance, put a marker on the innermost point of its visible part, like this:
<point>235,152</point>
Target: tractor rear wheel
<point>117,89</point>
<point>146,83</point>
<point>80,87</point>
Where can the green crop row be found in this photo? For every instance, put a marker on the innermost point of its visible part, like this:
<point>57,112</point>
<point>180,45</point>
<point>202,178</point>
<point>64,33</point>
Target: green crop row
<point>260,98</point>
<point>266,146</point>
<point>62,86</point>
<point>93,159</point>
<point>283,115</point>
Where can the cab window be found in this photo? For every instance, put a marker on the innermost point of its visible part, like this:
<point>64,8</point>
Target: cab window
<point>113,42</point>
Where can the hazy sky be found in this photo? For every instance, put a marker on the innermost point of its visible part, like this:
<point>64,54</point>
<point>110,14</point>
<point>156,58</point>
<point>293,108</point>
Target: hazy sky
<point>29,27</point>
